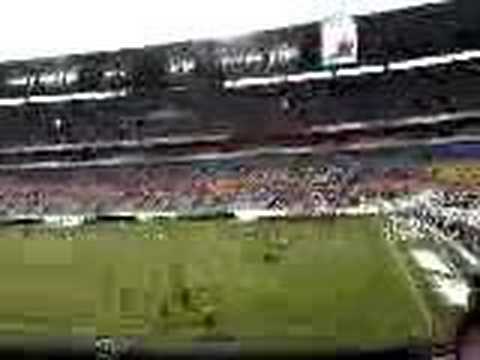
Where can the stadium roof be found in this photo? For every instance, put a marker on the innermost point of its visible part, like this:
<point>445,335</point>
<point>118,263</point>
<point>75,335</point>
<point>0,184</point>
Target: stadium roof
<point>52,27</point>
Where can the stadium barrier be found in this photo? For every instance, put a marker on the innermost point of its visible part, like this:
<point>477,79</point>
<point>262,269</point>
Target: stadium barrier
<point>207,216</point>
<point>253,215</point>
<point>20,219</point>
<point>243,215</point>
<point>67,220</point>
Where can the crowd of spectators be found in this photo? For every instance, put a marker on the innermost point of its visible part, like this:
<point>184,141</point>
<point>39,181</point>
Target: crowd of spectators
<point>453,216</point>
<point>303,186</point>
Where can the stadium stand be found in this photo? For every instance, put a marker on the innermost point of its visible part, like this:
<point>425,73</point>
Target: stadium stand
<point>156,102</point>
<point>150,101</point>
<point>283,182</point>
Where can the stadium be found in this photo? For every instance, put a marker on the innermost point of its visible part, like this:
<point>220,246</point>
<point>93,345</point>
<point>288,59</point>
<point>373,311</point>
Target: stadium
<point>308,188</point>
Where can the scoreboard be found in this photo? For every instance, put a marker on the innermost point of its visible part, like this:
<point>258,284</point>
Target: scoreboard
<point>339,41</point>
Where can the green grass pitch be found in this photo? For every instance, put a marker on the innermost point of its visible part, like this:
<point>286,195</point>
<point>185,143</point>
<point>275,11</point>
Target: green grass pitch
<point>332,282</point>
